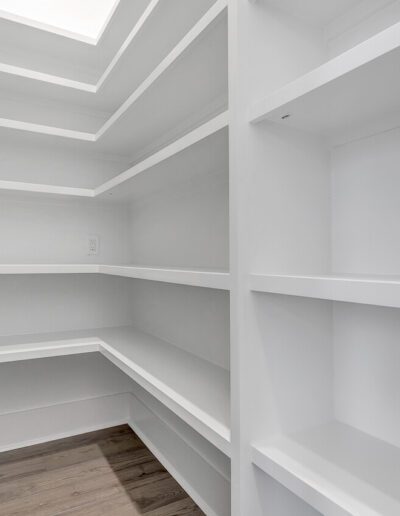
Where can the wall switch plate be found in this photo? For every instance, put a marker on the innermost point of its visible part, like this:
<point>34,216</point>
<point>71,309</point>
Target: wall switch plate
<point>93,245</point>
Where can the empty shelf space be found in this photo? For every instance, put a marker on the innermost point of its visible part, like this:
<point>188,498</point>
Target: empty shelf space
<point>336,469</point>
<point>121,186</point>
<point>381,290</point>
<point>176,161</point>
<point>353,88</point>
<point>194,389</point>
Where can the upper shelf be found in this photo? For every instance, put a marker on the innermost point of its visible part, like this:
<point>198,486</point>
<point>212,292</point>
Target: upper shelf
<point>42,51</point>
<point>355,88</point>
<point>42,96</point>
<point>205,149</point>
<point>194,389</point>
<point>336,469</point>
<point>188,86</point>
<point>383,290</point>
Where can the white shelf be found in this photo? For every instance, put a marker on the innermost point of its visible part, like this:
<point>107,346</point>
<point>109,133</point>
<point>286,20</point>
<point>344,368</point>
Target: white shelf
<point>194,277</point>
<point>49,268</point>
<point>188,140</point>
<point>356,87</point>
<point>19,186</point>
<point>194,389</point>
<point>381,290</point>
<point>25,347</point>
<point>336,469</point>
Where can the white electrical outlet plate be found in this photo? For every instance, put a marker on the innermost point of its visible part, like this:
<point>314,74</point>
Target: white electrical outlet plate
<point>93,245</point>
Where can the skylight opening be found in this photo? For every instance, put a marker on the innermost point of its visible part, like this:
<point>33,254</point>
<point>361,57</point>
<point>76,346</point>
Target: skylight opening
<point>83,20</point>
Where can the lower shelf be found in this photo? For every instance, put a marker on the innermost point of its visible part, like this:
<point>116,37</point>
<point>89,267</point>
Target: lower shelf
<point>194,389</point>
<point>380,290</point>
<point>193,470</point>
<point>336,469</point>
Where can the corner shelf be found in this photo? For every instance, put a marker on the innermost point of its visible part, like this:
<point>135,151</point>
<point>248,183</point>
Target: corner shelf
<point>194,389</point>
<point>205,278</point>
<point>191,138</point>
<point>336,469</point>
<point>117,186</point>
<point>380,290</point>
<point>331,97</point>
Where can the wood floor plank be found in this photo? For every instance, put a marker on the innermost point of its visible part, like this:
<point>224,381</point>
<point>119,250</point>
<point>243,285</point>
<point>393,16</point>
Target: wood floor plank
<point>105,473</point>
<point>113,450</point>
<point>108,435</point>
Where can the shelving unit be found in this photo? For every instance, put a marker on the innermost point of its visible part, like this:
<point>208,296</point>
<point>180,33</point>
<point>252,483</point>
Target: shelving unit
<point>314,259</point>
<point>114,223</point>
<point>199,237</point>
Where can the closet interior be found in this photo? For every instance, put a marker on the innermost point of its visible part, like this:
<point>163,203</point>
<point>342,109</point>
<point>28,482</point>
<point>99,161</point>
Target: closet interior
<point>114,229</point>
<point>225,282</point>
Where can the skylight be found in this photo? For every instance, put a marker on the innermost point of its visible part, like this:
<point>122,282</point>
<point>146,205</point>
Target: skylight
<point>84,20</point>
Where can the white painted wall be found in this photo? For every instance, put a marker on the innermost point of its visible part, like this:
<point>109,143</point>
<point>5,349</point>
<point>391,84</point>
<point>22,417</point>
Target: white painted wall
<point>183,226</point>
<point>46,303</point>
<point>47,230</point>
<point>32,384</point>
<point>30,159</point>
<point>365,205</point>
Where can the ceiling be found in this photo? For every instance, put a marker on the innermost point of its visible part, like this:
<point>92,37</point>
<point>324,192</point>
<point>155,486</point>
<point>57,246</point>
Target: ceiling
<point>84,20</point>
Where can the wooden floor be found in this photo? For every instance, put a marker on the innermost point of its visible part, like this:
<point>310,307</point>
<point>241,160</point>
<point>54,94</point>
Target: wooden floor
<point>105,473</point>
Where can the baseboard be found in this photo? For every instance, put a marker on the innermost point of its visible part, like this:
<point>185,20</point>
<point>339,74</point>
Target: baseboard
<point>48,423</point>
